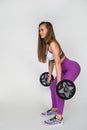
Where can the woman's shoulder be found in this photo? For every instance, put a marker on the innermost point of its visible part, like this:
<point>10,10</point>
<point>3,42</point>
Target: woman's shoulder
<point>54,44</point>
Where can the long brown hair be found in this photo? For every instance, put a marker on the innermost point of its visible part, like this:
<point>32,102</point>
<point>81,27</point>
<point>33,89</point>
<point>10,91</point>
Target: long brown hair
<point>47,40</point>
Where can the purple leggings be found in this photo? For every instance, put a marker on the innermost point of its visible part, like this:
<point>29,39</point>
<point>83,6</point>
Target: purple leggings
<point>70,70</point>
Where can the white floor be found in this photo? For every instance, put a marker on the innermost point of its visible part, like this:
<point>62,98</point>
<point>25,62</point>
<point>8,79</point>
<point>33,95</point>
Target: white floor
<point>26,115</point>
<point>22,97</point>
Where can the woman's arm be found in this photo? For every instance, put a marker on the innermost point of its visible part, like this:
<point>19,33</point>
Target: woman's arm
<point>56,54</point>
<point>50,67</point>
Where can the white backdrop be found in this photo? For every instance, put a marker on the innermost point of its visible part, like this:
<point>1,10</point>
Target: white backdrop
<point>20,89</point>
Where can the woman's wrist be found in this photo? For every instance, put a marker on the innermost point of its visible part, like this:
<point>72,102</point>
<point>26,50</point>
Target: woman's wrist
<point>49,74</point>
<point>58,81</point>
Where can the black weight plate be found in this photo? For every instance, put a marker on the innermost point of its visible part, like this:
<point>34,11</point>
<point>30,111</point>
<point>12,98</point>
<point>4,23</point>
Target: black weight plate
<point>44,78</point>
<point>65,89</point>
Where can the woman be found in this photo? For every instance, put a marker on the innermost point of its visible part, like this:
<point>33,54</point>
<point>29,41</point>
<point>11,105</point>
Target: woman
<point>49,48</point>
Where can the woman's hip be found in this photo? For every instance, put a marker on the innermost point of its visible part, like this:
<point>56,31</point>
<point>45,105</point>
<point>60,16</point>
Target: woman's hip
<point>70,65</point>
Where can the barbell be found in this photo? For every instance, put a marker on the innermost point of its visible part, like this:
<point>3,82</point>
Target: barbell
<point>65,89</point>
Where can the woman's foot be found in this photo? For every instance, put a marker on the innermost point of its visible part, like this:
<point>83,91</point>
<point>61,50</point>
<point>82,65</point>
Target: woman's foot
<point>49,112</point>
<point>54,121</point>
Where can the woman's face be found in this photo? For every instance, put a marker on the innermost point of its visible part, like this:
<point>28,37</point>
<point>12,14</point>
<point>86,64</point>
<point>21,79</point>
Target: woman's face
<point>42,31</point>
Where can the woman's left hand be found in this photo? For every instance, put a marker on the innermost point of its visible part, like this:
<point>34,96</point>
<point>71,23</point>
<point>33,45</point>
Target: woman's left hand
<point>49,79</point>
